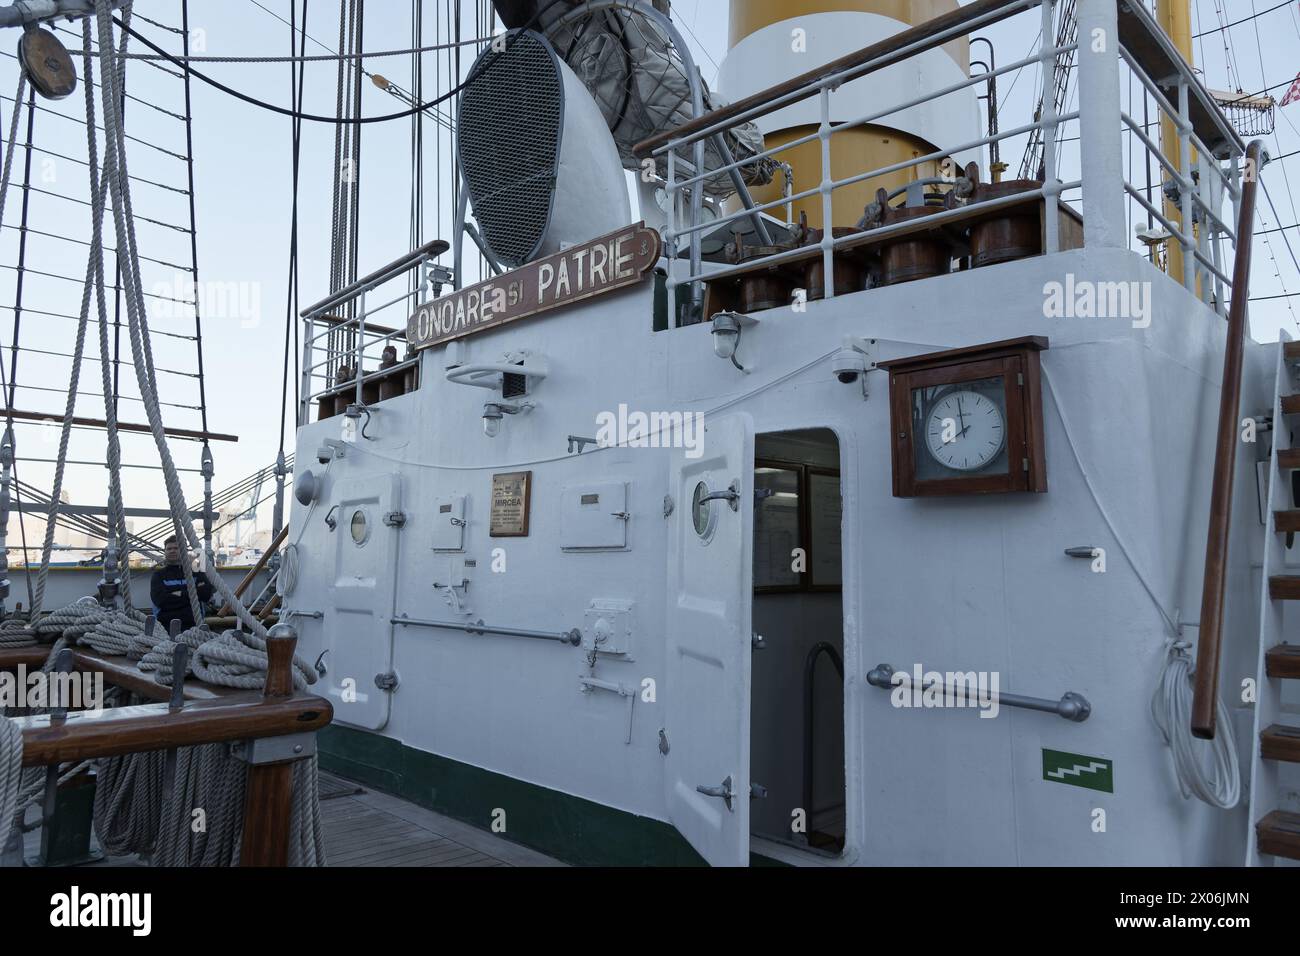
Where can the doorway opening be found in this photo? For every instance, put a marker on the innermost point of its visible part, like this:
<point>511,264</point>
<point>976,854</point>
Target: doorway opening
<point>797,682</point>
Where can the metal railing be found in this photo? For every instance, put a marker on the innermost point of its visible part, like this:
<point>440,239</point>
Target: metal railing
<point>1084,171</point>
<point>356,339</point>
<point>1195,182</point>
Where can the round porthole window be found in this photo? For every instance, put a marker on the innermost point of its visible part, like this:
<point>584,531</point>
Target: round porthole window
<point>702,516</point>
<point>360,527</point>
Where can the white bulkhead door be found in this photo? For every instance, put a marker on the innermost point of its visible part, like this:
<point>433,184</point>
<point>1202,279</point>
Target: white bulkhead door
<point>358,624</point>
<point>710,601</point>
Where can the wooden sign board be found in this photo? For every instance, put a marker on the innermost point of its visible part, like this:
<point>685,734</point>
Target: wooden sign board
<point>613,261</point>
<point>511,500</point>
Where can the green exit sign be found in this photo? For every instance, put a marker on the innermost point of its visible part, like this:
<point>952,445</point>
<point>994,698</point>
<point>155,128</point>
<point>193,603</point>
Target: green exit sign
<point>1079,770</point>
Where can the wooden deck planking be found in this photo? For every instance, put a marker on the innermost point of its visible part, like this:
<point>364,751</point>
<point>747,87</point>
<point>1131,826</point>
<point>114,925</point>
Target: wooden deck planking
<point>366,829</point>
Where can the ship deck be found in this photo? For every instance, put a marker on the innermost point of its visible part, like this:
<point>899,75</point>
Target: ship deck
<point>365,828</point>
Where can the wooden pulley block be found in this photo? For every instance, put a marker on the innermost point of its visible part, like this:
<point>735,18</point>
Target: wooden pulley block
<point>47,64</point>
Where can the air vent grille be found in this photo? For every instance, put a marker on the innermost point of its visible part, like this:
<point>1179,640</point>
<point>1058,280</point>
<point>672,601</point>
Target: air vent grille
<point>511,116</point>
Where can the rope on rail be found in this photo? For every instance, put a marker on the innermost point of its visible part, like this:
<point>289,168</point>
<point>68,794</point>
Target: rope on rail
<point>11,775</point>
<point>208,778</point>
<point>132,813</point>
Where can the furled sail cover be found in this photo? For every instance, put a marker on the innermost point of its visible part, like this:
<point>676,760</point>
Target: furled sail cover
<point>639,82</point>
<point>511,122</point>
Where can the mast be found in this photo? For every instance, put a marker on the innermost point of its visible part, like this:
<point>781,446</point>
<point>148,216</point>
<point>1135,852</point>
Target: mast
<point>1175,18</point>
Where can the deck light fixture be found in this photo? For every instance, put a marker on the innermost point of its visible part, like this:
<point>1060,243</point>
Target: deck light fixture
<point>726,335</point>
<point>494,412</point>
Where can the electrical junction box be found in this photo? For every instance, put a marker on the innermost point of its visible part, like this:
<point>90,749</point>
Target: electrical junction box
<point>594,516</point>
<point>607,627</point>
<point>449,523</point>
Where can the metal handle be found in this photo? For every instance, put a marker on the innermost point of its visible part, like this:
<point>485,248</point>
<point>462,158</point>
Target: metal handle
<point>723,791</point>
<point>1072,706</point>
<point>731,495</point>
<point>572,637</point>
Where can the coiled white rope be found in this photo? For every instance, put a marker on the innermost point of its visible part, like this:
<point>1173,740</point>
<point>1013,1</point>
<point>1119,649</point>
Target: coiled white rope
<point>16,633</point>
<point>1219,784</point>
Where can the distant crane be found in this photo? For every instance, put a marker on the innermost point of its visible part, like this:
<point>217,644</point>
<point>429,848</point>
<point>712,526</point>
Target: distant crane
<point>249,513</point>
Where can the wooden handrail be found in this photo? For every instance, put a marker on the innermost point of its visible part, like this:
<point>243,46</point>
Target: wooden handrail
<point>279,711</point>
<point>122,730</point>
<point>226,609</point>
<point>1205,695</point>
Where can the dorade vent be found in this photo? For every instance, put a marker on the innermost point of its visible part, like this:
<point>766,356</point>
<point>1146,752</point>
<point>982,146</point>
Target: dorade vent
<point>511,117</point>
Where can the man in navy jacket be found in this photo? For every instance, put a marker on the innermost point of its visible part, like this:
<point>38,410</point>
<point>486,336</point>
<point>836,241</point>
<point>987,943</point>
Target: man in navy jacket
<point>167,589</point>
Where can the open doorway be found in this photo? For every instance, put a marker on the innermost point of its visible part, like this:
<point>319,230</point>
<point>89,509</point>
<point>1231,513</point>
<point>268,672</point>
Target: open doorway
<point>797,683</point>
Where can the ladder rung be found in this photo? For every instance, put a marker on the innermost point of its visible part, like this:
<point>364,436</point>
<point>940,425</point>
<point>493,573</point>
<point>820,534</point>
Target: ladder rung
<point>1284,587</point>
<point>1283,660</point>
<point>1280,742</point>
<point>1286,521</point>
<point>1279,834</point>
<point>1288,458</point>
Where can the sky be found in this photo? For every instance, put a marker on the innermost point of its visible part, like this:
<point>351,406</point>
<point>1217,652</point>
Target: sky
<point>243,197</point>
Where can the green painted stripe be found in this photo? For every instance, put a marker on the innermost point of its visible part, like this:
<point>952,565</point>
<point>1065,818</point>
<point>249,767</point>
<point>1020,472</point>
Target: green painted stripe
<point>563,826</point>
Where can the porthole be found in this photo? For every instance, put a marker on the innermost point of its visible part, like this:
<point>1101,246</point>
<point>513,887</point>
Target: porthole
<point>360,527</point>
<point>703,516</point>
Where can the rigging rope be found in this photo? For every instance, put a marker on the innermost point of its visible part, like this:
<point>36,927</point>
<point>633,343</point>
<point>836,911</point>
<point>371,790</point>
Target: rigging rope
<point>11,775</point>
<point>296,87</point>
<point>355,120</point>
<point>295,58</point>
<point>93,282</point>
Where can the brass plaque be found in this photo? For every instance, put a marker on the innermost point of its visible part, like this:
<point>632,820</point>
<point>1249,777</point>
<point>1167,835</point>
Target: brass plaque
<point>511,498</point>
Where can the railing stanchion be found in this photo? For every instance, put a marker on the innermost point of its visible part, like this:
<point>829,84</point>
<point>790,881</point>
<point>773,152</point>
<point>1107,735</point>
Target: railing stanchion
<point>1185,187</point>
<point>670,238</point>
<point>360,352</point>
<point>827,185</point>
<point>1051,221</point>
<point>304,393</point>
<point>268,800</point>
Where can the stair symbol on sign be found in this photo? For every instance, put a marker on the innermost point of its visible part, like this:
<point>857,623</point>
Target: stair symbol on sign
<point>1076,770</point>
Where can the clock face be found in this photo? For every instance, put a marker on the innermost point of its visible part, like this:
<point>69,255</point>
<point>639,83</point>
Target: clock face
<point>964,429</point>
<point>968,421</point>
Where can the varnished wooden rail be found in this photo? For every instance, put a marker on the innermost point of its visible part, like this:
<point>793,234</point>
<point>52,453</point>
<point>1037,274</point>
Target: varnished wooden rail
<point>277,712</point>
<point>122,730</point>
<point>1205,694</point>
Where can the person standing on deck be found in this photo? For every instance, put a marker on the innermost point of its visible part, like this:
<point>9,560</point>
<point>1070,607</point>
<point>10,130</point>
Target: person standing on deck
<point>167,589</point>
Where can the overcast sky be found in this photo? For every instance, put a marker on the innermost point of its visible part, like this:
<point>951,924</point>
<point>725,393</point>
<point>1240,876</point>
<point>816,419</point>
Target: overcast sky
<point>242,196</point>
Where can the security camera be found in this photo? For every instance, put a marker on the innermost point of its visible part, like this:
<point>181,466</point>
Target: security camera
<point>848,364</point>
<point>853,360</point>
